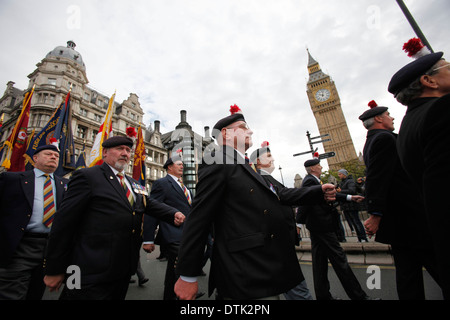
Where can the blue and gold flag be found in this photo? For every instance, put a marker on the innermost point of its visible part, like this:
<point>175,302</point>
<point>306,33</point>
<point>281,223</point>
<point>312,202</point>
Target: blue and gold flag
<point>81,162</point>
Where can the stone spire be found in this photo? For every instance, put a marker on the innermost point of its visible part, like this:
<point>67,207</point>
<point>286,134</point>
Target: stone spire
<point>311,60</point>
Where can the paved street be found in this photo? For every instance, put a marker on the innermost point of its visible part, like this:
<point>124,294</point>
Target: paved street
<point>155,270</point>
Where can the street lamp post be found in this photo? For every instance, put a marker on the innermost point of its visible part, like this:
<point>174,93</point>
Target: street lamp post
<point>414,24</point>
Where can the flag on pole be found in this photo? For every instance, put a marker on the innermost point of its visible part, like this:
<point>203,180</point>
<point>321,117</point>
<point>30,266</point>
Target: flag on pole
<point>64,135</point>
<point>139,159</point>
<point>104,133</point>
<point>16,144</point>
<point>43,137</point>
<point>57,131</point>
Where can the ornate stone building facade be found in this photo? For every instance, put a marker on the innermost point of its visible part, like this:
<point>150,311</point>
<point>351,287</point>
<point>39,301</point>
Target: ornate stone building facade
<point>62,68</point>
<point>192,146</point>
<point>326,106</point>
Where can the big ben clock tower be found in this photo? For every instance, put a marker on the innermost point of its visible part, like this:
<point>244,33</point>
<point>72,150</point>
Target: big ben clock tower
<point>326,106</point>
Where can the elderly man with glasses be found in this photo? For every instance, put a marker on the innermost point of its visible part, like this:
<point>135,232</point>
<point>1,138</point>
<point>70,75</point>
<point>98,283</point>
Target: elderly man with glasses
<point>424,144</point>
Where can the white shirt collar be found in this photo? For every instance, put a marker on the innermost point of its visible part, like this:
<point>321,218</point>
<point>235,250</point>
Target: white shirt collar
<point>39,173</point>
<point>116,171</point>
<point>315,177</point>
<point>239,153</point>
<point>173,177</point>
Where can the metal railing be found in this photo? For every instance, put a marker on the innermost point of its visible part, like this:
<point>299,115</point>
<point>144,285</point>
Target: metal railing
<point>348,232</point>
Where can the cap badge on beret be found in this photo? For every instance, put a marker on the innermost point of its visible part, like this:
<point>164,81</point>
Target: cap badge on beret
<point>374,110</point>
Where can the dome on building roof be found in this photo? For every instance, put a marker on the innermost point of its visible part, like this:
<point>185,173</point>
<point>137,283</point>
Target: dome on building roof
<point>67,52</point>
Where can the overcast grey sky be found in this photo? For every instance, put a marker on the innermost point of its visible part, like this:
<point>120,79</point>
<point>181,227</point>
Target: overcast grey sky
<point>205,55</point>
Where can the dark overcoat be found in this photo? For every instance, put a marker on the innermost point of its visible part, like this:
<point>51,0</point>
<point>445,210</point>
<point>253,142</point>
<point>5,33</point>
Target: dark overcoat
<point>423,145</point>
<point>254,253</point>
<point>390,191</point>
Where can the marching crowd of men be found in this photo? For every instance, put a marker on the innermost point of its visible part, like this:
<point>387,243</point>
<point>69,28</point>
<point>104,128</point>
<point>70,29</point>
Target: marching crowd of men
<point>95,220</point>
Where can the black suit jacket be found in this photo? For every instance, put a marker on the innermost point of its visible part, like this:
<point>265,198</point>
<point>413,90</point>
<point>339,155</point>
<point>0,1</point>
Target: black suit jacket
<point>97,229</point>
<point>254,252</point>
<point>321,217</point>
<point>168,191</point>
<point>16,207</point>
<point>423,146</point>
<point>287,210</point>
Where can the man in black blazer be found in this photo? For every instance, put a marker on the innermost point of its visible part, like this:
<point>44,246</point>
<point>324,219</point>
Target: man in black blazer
<point>253,255</point>
<point>99,227</point>
<point>322,222</point>
<point>171,191</point>
<point>394,206</point>
<point>423,144</point>
<point>23,233</point>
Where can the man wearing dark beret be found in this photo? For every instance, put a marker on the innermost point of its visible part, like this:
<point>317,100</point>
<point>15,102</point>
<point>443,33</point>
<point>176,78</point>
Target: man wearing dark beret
<point>98,228</point>
<point>322,221</point>
<point>394,206</point>
<point>423,144</point>
<point>28,203</point>
<point>254,248</point>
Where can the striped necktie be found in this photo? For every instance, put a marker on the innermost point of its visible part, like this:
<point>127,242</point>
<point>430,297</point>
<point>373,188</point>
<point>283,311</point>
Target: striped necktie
<point>49,202</point>
<point>186,193</point>
<point>127,191</point>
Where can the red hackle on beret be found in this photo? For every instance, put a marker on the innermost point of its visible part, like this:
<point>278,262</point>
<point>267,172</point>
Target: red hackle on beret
<point>372,104</point>
<point>235,109</point>
<point>131,132</point>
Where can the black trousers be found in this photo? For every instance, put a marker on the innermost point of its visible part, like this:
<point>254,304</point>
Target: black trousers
<point>409,261</point>
<point>114,290</point>
<point>23,278</point>
<point>325,246</point>
<point>171,252</point>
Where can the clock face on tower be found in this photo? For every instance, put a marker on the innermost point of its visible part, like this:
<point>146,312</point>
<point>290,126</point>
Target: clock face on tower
<point>322,95</point>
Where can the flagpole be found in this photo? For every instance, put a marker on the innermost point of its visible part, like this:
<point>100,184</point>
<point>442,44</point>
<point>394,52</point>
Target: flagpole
<point>414,24</point>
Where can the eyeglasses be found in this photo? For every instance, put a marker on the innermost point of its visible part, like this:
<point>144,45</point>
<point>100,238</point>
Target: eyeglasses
<point>242,126</point>
<point>444,66</point>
